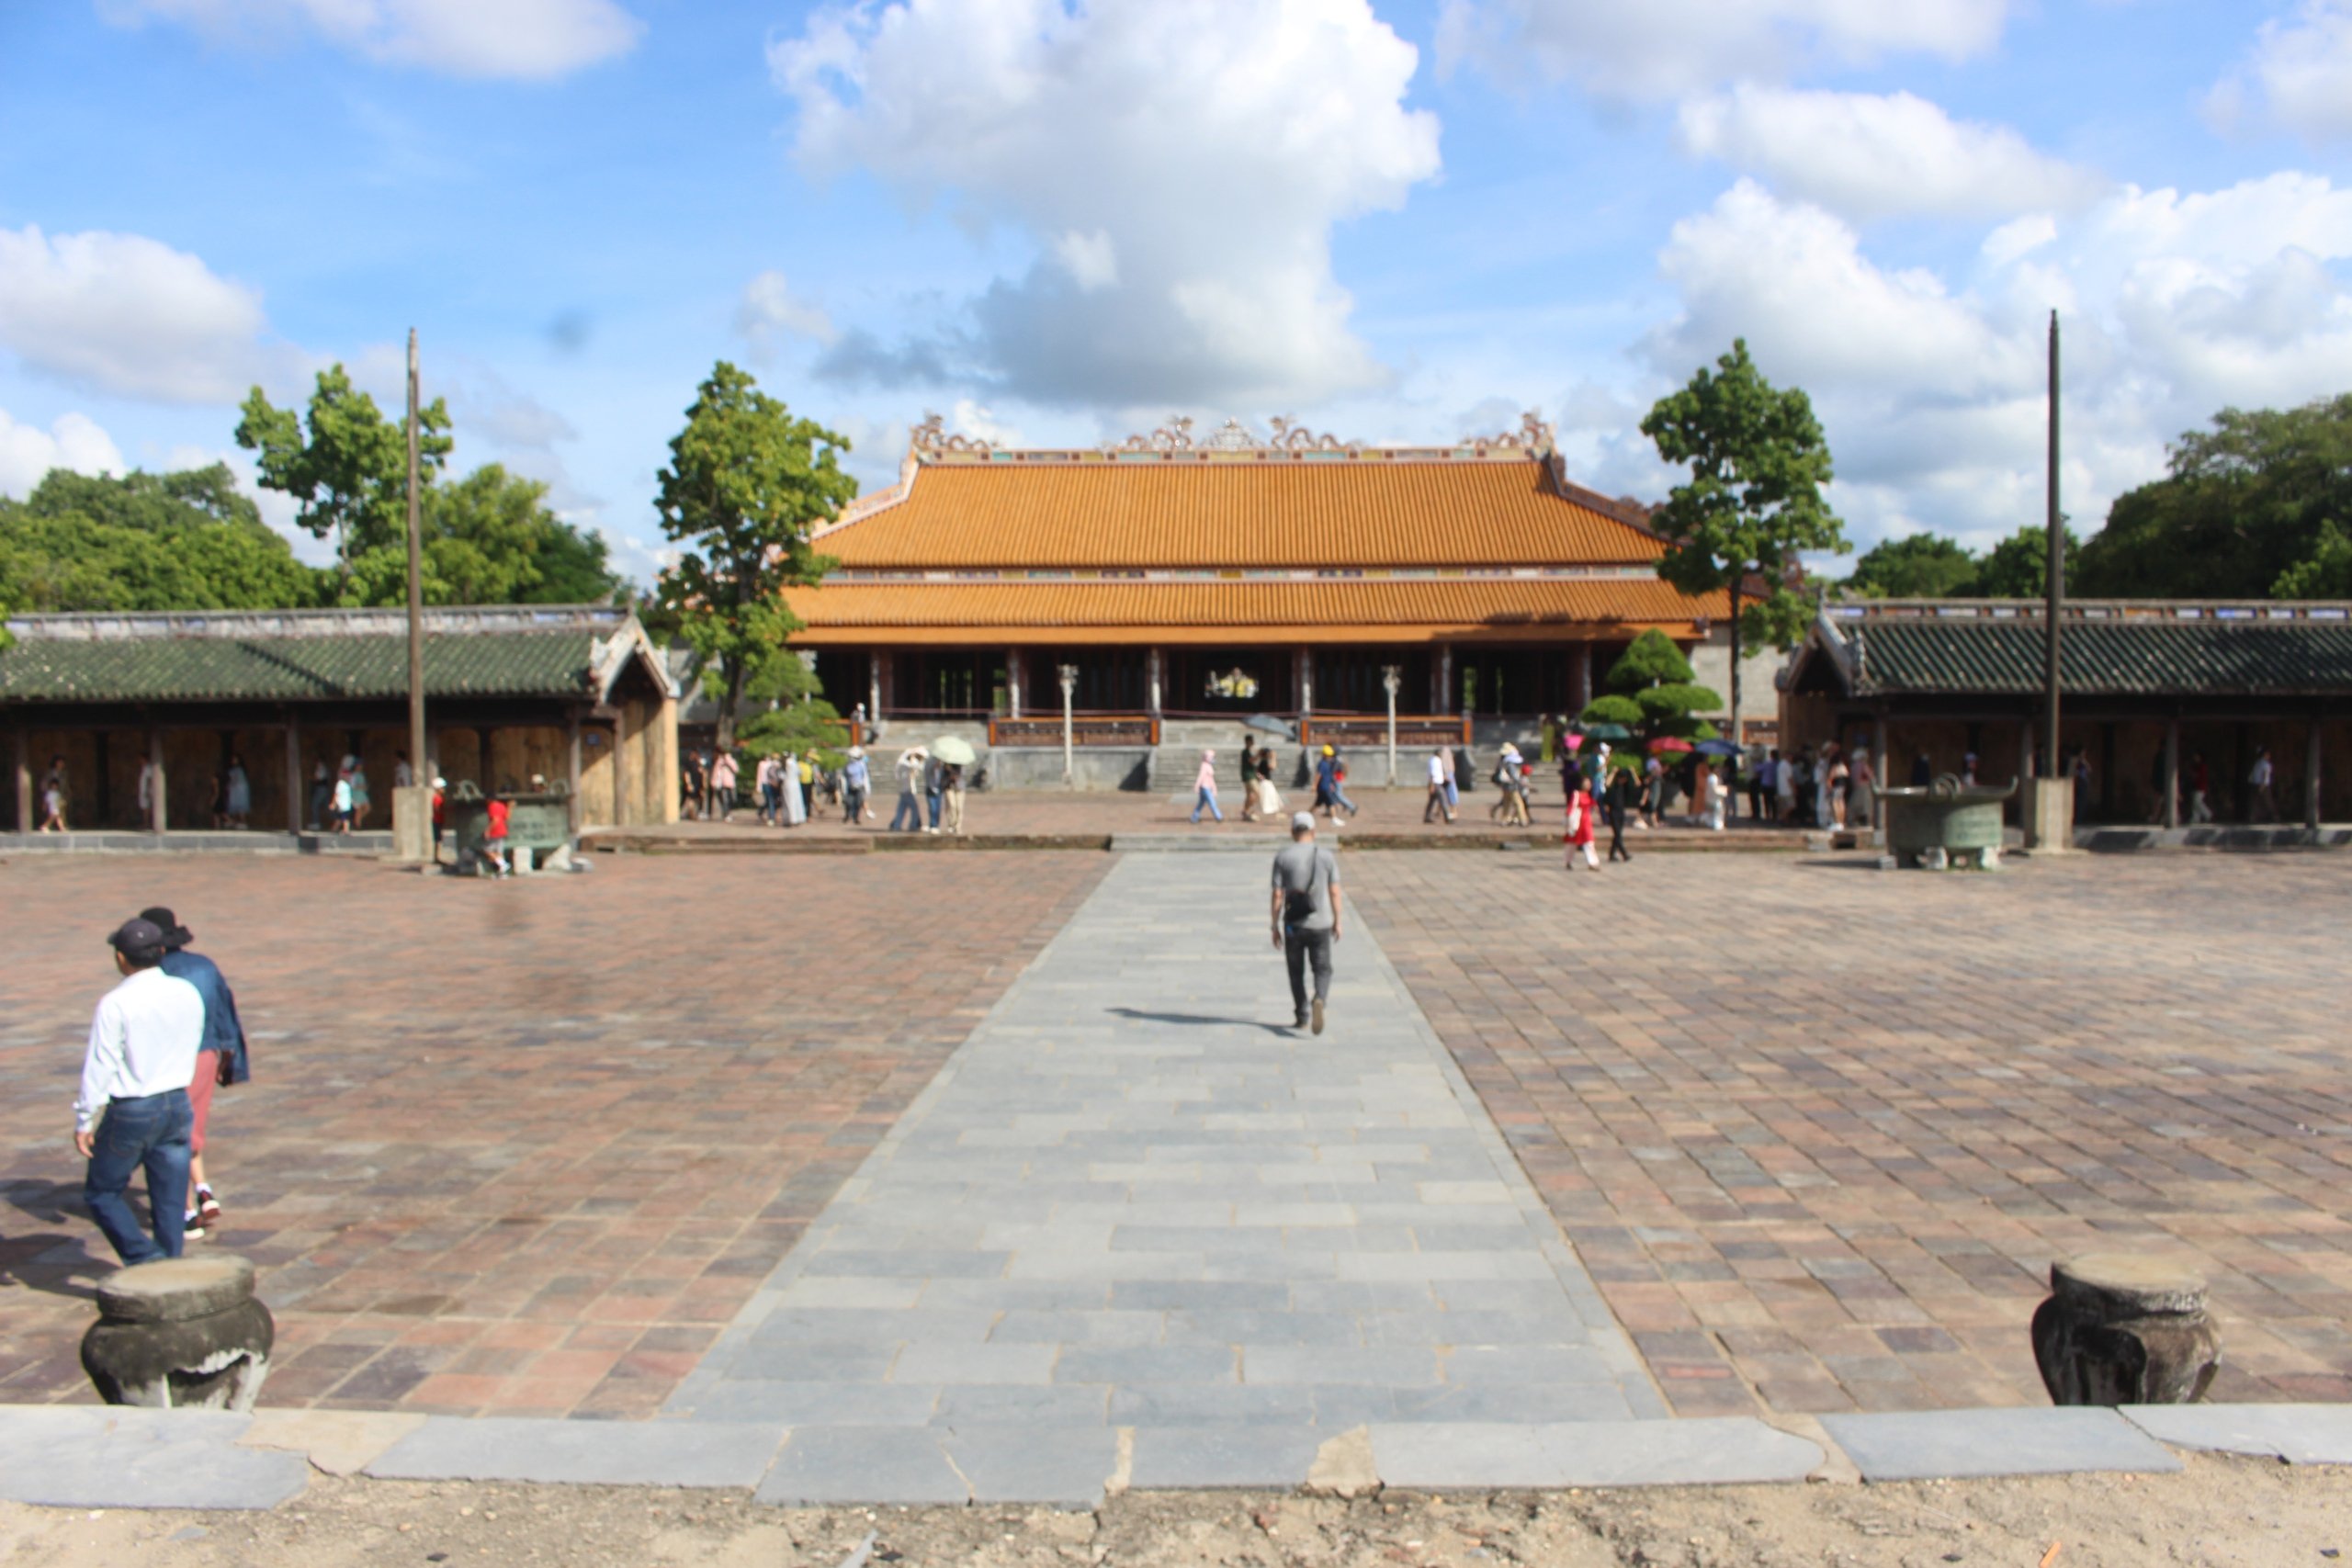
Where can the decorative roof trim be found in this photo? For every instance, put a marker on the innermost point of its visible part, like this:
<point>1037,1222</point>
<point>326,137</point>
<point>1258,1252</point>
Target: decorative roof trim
<point>2227,611</point>
<point>930,442</point>
<point>951,576</point>
<point>141,625</point>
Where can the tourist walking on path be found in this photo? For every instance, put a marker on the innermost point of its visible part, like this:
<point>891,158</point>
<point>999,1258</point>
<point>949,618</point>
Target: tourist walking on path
<point>1621,791</point>
<point>907,816</point>
<point>221,1056</point>
<point>854,779</point>
<point>1331,785</point>
<point>1453,786</point>
<point>132,1113</point>
<point>1579,838</point>
<point>1204,790</point>
<point>1840,778</point>
<point>494,835</point>
<point>797,776</point>
<point>1270,799</point>
<point>341,801</point>
<point>1437,806</point>
<point>2266,805</point>
<point>1863,786</point>
<point>52,797</point>
<point>1785,776</point>
<point>361,801</point>
<point>952,789</point>
<point>690,787</point>
<point>239,804</point>
<point>723,775</point>
<point>764,787</point>
<point>934,791</point>
<point>2201,789</point>
<point>1249,777</point>
<point>1761,787</point>
<point>1305,912</point>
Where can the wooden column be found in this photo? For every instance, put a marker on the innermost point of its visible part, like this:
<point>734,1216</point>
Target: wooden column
<point>2172,773</point>
<point>623,816</point>
<point>1154,668</point>
<point>295,801</point>
<point>1307,681</point>
<point>877,676</point>
<point>2025,758</point>
<point>1012,681</point>
<point>1449,695</point>
<point>158,810</point>
<point>24,776</point>
<point>571,764</point>
<point>2311,773</point>
<point>1583,686</point>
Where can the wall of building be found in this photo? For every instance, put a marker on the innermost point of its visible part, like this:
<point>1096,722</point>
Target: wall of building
<point>1040,767</point>
<point>1710,666</point>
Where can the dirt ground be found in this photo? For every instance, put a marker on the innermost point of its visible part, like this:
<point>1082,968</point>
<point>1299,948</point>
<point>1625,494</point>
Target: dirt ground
<point>2221,1511</point>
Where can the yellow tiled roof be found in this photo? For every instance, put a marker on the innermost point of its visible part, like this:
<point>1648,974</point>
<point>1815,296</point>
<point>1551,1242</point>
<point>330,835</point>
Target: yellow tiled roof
<point>1403,610</point>
<point>1367,512</point>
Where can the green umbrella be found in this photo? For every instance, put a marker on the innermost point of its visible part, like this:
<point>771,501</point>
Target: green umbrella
<point>1605,732</point>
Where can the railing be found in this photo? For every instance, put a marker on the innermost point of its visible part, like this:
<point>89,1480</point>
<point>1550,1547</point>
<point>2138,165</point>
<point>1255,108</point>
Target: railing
<point>1414,729</point>
<point>1085,729</point>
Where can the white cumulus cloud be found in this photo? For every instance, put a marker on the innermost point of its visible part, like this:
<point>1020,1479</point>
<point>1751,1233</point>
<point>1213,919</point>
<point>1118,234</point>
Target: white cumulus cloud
<point>2298,75</point>
<point>1178,170</point>
<point>1868,155</point>
<point>769,311</point>
<point>531,39</point>
<point>128,314</point>
<point>2175,305</point>
<point>73,441</point>
<point>1665,48</point>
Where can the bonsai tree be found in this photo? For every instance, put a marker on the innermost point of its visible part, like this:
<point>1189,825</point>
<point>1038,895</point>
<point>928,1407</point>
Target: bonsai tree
<point>800,721</point>
<point>1653,694</point>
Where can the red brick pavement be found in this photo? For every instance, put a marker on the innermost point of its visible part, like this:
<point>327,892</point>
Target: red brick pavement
<point>1818,1131</point>
<point>513,1147</point>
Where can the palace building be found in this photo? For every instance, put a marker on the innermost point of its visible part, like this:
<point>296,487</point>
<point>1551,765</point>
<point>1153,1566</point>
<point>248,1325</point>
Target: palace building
<point>1176,579</point>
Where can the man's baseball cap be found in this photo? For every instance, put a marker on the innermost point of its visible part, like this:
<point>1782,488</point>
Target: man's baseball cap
<point>138,939</point>
<point>1302,821</point>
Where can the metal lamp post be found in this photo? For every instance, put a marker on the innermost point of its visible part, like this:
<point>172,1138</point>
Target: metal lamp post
<point>1392,677</point>
<point>1068,673</point>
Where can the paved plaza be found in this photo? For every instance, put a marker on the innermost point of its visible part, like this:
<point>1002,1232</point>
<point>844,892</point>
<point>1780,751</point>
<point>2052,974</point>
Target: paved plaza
<point>1811,1134</point>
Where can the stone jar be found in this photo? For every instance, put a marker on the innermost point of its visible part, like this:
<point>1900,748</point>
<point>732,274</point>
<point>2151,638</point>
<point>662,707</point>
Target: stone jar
<point>2122,1329</point>
<point>180,1334</point>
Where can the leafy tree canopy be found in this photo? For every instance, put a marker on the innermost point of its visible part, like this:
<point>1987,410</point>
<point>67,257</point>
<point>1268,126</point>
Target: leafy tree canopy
<point>487,539</point>
<point>2019,567</point>
<point>1651,660</point>
<point>1758,461</point>
<point>345,464</point>
<point>1652,691</point>
<point>746,484</point>
<point>177,541</point>
<point>1922,566</point>
<point>2258,505</point>
<point>800,721</point>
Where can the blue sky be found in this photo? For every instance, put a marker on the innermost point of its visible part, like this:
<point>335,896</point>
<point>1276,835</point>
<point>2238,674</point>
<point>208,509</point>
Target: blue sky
<point>1056,222</point>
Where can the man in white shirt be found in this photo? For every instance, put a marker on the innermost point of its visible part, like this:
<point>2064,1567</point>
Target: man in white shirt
<point>133,1112</point>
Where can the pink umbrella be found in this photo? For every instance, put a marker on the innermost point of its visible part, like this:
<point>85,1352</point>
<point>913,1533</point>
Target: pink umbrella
<point>1670,744</point>
<point>1572,741</point>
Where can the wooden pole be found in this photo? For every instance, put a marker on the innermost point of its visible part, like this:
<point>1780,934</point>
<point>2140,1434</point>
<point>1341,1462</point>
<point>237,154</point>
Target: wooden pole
<point>571,765</point>
<point>623,816</point>
<point>24,747</point>
<point>2172,773</point>
<point>2056,586</point>
<point>295,806</point>
<point>420,764</point>
<point>2310,774</point>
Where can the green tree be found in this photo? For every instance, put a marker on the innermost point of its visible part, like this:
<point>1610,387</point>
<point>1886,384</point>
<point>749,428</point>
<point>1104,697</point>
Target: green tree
<point>2245,503</point>
<point>1921,566</point>
<point>1652,689</point>
<point>800,721</point>
<point>487,539</point>
<point>1753,504</point>
<point>347,466</point>
<point>2019,567</point>
<point>2325,574</point>
<point>746,485</point>
<point>179,541</point>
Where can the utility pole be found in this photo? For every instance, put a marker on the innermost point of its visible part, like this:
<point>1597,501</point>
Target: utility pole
<point>2050,767</point>
<point>413,806</point>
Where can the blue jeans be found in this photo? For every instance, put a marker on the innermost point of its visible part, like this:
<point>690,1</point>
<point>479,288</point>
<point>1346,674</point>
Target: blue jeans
<point>910,812</point>
<point>151,1132</point>
<point>1207,803</point>
<point>931,801</point>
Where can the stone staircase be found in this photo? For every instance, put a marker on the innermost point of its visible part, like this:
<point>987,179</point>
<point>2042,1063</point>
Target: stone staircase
<point>1176,762</point>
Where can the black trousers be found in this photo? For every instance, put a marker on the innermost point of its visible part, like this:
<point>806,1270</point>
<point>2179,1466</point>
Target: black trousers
<point>1617,849</point>
<point>1301,949</point>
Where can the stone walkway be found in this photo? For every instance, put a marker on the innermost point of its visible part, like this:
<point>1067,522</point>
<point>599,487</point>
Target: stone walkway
<point>1137,1199</point>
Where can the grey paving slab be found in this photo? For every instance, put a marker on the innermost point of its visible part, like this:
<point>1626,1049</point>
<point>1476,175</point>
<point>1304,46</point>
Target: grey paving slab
<point>1924,1445</point>
<point>1135,1197</point>
<point>1067,1465</point>
<point>1247,1455</point>
<point>2301,1434</point>
<point>116,1457</point>
<point>598,1453</point>
<point>1726,1450</point>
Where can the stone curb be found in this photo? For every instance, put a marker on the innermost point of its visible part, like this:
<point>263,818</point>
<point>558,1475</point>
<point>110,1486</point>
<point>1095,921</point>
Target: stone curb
<point>103,1457</point>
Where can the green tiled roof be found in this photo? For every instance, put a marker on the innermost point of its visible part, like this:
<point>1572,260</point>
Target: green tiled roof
<point>2120,657</point>
<point>281,669</point>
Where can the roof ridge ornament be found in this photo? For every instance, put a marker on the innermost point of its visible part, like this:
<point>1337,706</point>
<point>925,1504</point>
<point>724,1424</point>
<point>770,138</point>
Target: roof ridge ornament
<point>1533,436</point>
<point>1176,436</point>
<point>1292,437</point>
<point>932,438</point>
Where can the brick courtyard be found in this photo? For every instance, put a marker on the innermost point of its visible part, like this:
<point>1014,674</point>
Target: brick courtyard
<point>1818,1131</point>
<point>509,1148</point>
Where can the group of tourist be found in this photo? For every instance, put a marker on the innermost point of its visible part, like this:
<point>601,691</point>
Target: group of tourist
<point>339,800</point>
<point>161,1042</point>
<point>926,783</point>
<point>1818,787</point>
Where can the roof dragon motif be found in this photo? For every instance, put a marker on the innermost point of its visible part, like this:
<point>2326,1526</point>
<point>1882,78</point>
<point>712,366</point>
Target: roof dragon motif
<point>932,437</point>
<point>1176,436</point>
<point>1533,436</point>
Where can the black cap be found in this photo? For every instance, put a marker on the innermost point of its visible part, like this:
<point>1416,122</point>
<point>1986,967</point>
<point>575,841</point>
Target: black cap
<point>176,935</point>
<point>141,941</point>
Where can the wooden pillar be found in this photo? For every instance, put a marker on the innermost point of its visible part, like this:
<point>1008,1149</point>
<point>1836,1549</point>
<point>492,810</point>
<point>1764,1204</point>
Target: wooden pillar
<point>665,777</point>
<point>2311,772</point>
<point>571,765</point>
<point>1154,670</point>
<point>1012,673</point>
<point>1305,682</point>
<point>2172,773</point>
<point>24,774</point>
<point>2025,769</point>
<point>158,810</point>
<point>878,678</point>
<point>1583,686</point>
<point>624,814</point>
<point>295,799</point>
<point>1449,695</point>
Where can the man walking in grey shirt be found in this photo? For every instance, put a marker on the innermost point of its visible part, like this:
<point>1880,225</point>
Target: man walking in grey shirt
<point>1305,913</point>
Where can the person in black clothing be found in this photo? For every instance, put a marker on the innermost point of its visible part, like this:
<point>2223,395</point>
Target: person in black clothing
<point>1923,773</point>
<point>1621,794</point>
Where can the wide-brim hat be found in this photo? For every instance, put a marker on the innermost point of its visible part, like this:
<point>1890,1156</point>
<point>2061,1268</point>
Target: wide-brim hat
<point>140,940</point>
<point>163,920</point>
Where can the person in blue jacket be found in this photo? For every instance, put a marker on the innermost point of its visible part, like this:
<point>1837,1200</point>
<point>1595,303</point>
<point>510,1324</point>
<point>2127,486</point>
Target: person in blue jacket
<point>221,1058</point>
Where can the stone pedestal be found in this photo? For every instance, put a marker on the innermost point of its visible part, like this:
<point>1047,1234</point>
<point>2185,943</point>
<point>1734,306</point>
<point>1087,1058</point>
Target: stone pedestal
<point>413,824</point>
<point>2120,1329</point>
<point>2048,809</point>
<point>182,1334</point>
